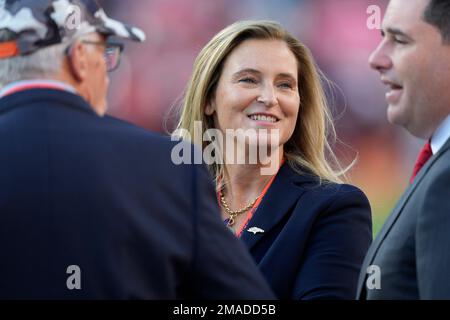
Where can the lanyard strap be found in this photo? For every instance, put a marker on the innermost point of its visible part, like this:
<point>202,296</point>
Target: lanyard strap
<point>255,206</point>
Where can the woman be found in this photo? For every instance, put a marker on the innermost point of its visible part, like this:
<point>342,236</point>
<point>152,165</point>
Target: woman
<point>306,230</point>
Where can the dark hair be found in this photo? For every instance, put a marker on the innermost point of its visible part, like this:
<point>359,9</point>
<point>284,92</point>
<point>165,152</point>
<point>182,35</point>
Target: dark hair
<point>437,13</point>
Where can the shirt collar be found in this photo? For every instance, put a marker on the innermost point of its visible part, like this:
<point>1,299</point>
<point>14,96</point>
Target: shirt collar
<point>441,135</point>
<point>37,83</point>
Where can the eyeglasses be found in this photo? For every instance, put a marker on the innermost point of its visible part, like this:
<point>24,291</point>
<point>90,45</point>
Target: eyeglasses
<point>112,54</point>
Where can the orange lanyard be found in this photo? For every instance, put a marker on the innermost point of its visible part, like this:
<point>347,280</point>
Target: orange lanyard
<point>255,206</point>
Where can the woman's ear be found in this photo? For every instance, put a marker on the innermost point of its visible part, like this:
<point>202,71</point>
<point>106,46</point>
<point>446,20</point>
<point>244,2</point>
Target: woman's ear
<point>210,108</point>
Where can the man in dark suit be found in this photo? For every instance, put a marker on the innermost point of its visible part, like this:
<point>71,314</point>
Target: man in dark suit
<point>410,258</point>
<point>92,207</point>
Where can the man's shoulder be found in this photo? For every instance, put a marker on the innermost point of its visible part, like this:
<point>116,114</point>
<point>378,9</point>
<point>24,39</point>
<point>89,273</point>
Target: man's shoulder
<point>179,153</point>
<point>121,129</point>
<point>124,127</point>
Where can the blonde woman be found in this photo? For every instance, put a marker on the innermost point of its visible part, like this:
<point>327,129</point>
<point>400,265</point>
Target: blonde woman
<point>307,231</point>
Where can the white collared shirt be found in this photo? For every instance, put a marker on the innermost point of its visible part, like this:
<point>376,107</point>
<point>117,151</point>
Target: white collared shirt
<point>441,135</point>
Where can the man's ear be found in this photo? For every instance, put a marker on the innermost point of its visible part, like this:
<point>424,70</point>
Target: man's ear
<point>78,62</point>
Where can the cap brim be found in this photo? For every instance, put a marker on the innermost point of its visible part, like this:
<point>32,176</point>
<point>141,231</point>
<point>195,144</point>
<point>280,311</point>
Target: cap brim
<point>116,28</point>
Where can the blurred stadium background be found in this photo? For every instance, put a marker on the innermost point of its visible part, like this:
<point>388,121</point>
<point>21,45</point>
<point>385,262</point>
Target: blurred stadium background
<point>153,75</point>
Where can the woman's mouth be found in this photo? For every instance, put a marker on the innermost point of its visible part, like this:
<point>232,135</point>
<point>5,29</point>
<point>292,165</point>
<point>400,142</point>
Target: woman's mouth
<point>263,118</point>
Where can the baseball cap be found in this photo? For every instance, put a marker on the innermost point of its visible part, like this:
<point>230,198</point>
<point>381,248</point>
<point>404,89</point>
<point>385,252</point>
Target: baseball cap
<point>35,24</point>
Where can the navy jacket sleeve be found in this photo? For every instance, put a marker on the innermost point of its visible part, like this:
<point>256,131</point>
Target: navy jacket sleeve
<point>337,245</point>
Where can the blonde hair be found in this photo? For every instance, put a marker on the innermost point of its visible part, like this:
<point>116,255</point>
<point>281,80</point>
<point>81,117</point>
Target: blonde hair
<point>308,147</point>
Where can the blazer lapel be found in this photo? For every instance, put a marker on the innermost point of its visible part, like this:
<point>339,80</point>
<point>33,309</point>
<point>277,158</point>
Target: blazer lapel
<point>279,199</point>
<point>394,216</point>
<point>381,235</point>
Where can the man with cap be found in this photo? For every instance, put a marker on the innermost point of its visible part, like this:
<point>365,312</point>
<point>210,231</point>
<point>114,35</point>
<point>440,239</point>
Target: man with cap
<point>92,207</point>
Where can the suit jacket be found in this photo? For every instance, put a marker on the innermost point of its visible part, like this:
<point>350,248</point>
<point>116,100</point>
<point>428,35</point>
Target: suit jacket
<point>104,196</point>
<point>315,237</point>
<point>412,249</point>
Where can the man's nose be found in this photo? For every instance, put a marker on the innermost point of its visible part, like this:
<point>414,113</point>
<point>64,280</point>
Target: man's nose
<point>379,60</point>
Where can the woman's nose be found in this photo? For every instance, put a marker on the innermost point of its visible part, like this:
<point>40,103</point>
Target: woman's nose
<point>268,96</point>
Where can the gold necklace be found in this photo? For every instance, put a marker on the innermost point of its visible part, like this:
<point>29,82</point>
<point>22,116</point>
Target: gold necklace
<point>235,213</point>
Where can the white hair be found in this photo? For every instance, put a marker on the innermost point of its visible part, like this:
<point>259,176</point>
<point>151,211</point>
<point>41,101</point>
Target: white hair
<point>42,64</point>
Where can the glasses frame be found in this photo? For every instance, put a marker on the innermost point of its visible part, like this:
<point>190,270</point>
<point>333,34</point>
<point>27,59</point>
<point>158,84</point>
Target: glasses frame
<point>108,46</point>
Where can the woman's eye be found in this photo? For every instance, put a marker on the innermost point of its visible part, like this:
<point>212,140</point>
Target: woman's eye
<point>247,80</point>
<point>285,85</point>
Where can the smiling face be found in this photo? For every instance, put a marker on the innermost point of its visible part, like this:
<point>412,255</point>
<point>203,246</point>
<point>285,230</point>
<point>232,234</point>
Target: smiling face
<point>414,63</point>
<point>258,89</point>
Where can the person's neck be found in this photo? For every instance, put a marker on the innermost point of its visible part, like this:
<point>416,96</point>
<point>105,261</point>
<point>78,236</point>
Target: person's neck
<point>243,183</point>
<point>82,90</point>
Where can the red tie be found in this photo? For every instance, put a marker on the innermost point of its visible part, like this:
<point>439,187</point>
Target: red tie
<point>423,157</point>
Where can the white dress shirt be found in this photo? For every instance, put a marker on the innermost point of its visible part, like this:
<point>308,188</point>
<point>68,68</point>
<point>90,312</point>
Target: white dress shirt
<point>441,135</point>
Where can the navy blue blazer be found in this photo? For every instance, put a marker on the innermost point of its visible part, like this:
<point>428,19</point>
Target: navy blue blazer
<point>315,237</point>
<point>104,196</point>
